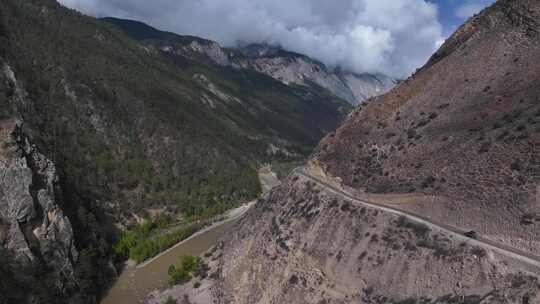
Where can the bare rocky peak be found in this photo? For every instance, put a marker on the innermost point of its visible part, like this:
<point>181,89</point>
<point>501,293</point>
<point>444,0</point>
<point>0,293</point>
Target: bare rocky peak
<point>365,86</point>
<point>272,60</point>
<point>287,67</point>
<point>257,50</point>
<point>290,67</point>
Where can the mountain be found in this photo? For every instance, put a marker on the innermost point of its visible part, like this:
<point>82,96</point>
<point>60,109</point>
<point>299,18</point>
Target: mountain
<point>290,67</point>
<point>427,194</point>
<point>99,130</point>
<point>287,67</point>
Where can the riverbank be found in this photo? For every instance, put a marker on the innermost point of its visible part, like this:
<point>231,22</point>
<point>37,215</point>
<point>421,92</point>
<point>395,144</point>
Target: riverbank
<point>231,215</point>
<point>136,281</point>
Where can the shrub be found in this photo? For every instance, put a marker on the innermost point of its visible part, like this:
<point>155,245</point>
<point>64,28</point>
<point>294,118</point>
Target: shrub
<point>479,252</point>
<point>422,123</point>
<point>189,265</point>
<point>420,230</point>
<point>485,147</point>
<point>428,182</point>
<point>178,275</point>
<point>214,275</point>
<point>170,300</point>
<point>411,133</point>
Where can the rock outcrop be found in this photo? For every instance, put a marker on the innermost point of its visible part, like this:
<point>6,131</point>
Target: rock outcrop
<point>36,229</point>
<point>33,227</point>
<point>293,68</point>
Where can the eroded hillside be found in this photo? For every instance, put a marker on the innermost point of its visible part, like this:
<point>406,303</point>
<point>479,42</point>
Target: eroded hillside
<point>463,132</point>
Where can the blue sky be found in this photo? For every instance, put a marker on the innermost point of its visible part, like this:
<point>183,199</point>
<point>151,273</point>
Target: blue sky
<point>453,13</point>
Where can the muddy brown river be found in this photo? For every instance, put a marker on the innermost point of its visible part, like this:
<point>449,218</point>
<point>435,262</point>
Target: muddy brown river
<point>135,282</point>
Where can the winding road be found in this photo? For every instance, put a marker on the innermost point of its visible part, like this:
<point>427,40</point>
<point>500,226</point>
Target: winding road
<point>503,249</point>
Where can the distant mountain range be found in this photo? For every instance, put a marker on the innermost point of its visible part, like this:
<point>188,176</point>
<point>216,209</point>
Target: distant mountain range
<point>287,67</point>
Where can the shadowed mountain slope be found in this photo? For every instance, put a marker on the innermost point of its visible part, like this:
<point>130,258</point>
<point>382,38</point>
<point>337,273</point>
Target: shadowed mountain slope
<point>288,67</point>
<point>99,131</point>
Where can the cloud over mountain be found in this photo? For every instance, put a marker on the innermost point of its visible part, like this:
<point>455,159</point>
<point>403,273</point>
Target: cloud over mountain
<point>388,36</point>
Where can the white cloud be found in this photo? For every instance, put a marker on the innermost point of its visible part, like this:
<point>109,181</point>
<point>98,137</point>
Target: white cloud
<point>389,36</point>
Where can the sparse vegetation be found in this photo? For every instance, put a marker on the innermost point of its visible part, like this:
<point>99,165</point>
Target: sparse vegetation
<point>420,230</point>
<point>214,275</point>
<point>189,266</point>
<point>170,300</point>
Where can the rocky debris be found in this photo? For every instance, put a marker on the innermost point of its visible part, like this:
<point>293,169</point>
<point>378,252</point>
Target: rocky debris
<point>202,80</point>
<point>29,204</point>
<point>274,150</point>
<point>213,50</point>
<point>365,86</point>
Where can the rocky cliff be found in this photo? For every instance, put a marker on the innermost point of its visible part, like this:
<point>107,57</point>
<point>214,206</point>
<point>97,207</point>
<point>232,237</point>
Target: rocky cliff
<point>299,69</point>
<point>35,233</point>
<point>33,226</point>
<point>29,203</point>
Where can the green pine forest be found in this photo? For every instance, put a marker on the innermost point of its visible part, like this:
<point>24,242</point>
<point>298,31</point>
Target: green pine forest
<point>126,128</point>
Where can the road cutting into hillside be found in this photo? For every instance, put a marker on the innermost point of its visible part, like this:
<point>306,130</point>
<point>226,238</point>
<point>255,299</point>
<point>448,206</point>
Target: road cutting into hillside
<point>505,250</point>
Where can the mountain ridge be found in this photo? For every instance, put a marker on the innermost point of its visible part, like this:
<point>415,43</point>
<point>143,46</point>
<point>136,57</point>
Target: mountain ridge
<point>283,65</point>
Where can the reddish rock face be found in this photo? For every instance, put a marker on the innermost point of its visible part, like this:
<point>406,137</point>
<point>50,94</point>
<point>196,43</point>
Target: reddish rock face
<point>465,128</point>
